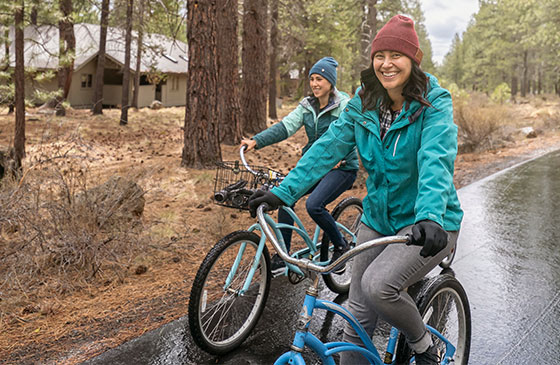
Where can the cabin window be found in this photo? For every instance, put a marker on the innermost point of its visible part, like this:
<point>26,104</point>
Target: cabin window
<point>174,83</point>
<point>87,81</point>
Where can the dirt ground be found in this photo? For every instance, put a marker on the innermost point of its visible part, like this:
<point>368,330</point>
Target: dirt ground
<point>76,326</point>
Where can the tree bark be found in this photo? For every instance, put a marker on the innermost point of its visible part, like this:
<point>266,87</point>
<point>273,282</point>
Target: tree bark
<point>67,53</point>
<point>368,29</point>
<point>126,67</point>
<point>525,80</point>
<point>139,48</point>
<point>514,82</point>
<point>201,133</point>
<point>33,14</point>
<point>19,135</point>
<point>254,52</point>
<point>273,55</point>
<point>99,83</point>
<point>228,107</point>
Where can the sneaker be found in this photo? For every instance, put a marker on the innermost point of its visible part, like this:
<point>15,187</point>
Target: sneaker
<point>337,252</point>
<point>429,357</point>
<point>277,265</point>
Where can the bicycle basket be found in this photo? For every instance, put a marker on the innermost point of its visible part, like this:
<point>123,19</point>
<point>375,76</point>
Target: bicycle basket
<point>234,184</point>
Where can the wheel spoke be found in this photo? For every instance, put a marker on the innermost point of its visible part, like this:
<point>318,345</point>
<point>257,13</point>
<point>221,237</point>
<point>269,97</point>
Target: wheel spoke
<point>221,317</point>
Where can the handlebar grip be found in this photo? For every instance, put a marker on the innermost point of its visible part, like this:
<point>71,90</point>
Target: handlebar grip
<point>411,242</point>
<point>266,207</point>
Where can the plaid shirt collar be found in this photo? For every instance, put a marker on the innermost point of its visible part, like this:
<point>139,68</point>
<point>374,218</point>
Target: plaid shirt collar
<point>386,118</point>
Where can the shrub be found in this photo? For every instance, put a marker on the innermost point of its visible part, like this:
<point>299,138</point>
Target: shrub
<point>478,122</point>
<point>501,93</point>
<point>57,234</point>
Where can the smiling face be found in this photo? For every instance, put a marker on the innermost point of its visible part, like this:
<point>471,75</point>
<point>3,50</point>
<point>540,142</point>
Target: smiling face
<point>319,86</point>
<point>392,70</point>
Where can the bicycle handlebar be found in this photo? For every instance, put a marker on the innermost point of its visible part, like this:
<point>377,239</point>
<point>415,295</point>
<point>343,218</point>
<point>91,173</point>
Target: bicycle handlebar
<point>306,264</point>
<point>242,155</point>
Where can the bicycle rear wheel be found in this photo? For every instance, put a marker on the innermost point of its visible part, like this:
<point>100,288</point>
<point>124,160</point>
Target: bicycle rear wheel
<point>349,213</point>
<point>444,306</point>
<point>221,317</point>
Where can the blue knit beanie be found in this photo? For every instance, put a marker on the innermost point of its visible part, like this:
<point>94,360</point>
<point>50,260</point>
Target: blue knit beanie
<point>325,67</point>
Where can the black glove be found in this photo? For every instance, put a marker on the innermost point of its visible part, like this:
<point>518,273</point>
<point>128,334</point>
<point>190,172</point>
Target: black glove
<point>430,236</point>
<point>262,196</point>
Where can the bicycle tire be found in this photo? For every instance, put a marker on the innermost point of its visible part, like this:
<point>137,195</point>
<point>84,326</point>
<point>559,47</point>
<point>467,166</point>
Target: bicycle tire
<point>348,212</point>
<point>220,320</point>
<point>443,303</point>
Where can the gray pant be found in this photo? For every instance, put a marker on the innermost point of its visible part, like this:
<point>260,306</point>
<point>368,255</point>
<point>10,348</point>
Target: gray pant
<point>379,279</point>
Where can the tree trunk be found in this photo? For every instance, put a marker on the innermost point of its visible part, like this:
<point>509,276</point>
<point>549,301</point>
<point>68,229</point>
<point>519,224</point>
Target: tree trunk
<point>99,83</point>
<point>539,81</point>
<point>33,14</point>
<point>308,63</point>
<point>139,48</point>
<point>67,53</point>
<point>126,67</point>
<point>273,55</point>
<point>525,80</point>
<point>254,52</point>
<point>201,132</point>
<point>19,136</point>
<point>228,107</point>
<point>514,82</point>
<point>368,29</point>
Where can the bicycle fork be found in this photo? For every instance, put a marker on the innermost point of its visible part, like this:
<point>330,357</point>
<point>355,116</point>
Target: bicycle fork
<point>302,336</point>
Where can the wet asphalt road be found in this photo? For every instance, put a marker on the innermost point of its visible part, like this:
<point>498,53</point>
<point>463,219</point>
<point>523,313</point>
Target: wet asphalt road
<point>508,260</point>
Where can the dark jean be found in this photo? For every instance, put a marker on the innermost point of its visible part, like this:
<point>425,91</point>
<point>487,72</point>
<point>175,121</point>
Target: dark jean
<point>334,183</point>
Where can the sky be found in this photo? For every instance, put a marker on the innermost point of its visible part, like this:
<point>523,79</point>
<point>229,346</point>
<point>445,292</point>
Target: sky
<point>444,18</point>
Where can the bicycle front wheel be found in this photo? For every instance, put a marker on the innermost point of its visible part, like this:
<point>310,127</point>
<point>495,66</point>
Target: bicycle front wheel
<point>221,313</point>
<point>444,306</point>
<point>348,213</point>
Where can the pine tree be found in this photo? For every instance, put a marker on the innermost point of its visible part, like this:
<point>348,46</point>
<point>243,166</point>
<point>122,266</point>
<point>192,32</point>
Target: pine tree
<point>255,71</point>
<point>201,134</point>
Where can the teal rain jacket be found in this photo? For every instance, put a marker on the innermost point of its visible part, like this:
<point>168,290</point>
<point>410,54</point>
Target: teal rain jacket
<point>410,171</point>
<point>315,126</point>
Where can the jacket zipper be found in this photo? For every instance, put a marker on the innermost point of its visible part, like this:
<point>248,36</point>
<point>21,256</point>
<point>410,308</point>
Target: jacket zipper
<point>396,142</point>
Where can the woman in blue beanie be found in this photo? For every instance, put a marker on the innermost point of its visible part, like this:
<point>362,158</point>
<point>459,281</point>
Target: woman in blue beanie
<point>315,113</point>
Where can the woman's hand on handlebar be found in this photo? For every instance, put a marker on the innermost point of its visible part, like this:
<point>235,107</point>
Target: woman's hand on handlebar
<point>261,196</point>
<point>250,143</point>
<point>431,236</point>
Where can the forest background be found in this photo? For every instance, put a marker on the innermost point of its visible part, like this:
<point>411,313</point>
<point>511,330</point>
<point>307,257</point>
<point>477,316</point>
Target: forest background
<point>82,266</point>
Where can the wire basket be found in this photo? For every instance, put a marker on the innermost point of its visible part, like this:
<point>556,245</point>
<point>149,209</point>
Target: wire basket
<point>234,184</point>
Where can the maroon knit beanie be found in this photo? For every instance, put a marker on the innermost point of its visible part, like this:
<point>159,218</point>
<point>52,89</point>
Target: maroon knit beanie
<point>398,35</point>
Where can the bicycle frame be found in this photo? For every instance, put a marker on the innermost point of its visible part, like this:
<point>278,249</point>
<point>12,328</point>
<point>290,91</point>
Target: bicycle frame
<point>325,351</point>
<point>313,247</point>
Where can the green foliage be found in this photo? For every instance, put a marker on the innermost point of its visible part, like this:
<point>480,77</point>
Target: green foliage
<point>460,96</point>
<point>508,41</point>
<point>501,93</point>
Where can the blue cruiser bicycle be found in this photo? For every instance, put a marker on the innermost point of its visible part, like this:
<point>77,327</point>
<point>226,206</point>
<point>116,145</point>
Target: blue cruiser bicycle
<point>442,302</point>
<point>231,287</point>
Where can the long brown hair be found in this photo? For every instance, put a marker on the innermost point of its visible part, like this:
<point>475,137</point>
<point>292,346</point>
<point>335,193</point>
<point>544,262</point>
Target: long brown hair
<point>374,95</point>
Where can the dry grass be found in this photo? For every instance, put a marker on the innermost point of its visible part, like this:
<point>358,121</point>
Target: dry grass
<point>485,125</point>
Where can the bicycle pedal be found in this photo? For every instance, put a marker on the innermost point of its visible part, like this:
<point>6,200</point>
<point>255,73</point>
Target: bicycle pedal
<point>295,278</point>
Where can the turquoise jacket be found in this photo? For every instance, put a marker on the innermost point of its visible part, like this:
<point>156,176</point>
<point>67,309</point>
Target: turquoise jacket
<point>315,126</point>
<point>410,171</point>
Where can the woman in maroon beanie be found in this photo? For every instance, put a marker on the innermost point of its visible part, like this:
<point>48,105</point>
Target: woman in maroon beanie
<point>401,122</point>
